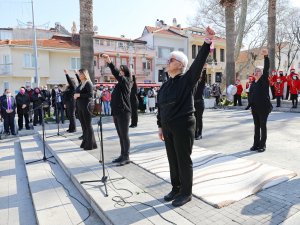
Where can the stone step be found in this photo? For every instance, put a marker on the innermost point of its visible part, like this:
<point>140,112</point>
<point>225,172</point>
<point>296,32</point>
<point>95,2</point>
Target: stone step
<point>80,166</point>
<point>51,189</point>
<point>15,201</point>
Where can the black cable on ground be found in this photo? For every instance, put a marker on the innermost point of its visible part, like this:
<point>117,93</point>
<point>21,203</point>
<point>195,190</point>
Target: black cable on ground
<point>120,200</point>
<point>68,191</point>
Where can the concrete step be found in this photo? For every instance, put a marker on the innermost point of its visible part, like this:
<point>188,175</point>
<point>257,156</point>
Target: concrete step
<point>15,200</point>
<point>51,189</point>
<point>80,166</point>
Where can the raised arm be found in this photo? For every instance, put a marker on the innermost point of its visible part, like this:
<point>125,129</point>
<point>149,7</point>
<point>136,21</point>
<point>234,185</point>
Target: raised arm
<point>112,67</point>
<point>265,74</point>
<point>71,84</point>
<point>195,70</point>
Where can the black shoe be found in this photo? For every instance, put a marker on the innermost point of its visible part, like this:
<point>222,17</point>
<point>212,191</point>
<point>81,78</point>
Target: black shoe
<point>88,149</point>
<point>27,128</point>
<point>254,148</point>
<point>132,126</point>
<point>277,105</point>
<point>198,137</point>
<point>181,200</point>
<point>171,196</point>
<point>117,160</point>
<point>262,149</point>
<point>20,128</point>
<point>81,137</point>
<point>124,161</point>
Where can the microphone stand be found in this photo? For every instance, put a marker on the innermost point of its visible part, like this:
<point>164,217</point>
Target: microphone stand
<point>44,159</point>
<point>101,160</point>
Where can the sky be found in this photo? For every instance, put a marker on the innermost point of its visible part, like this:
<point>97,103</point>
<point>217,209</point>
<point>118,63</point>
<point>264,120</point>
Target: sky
<point>112,17</point>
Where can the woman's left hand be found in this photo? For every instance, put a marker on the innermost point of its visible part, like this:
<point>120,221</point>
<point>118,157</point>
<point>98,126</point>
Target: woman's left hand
<point>210,33</point>
<point>77,95</point>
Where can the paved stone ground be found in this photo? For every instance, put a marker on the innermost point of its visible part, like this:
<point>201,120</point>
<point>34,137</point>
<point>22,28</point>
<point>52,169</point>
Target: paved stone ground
<point>230,132</point>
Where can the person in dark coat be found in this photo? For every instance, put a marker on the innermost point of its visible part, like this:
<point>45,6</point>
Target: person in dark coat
<point>37,98</point>
<point>199,105</point>
<point>176,120</point>
<point>121,108</point>
<point>8,110</point>
<point>260,103</point>
<point>134,102</point>
<point>23,103</point>
<point>69,102</point>
<point>58,104</point>
<point>141,98</point>
<point>47,102</point>
<point>83,96</point>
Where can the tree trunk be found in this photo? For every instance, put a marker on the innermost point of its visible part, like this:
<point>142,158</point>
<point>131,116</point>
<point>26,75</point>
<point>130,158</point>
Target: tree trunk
<point>86,37</point>
<point>241,28</point>
<point>230,41</point>
<point>271,32</point>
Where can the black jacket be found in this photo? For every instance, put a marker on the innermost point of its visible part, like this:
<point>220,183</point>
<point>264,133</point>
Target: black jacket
<point>86,94</point>
<point>200,87</point>
<point>133,94</point>
<point>22,100</point>
<point>120,98</point>
<point>4,105</point>
<point>70,91</point>
<point>259,99</point>
<point>37,101</point>
<point>54,96</point>
<point>176,96</point>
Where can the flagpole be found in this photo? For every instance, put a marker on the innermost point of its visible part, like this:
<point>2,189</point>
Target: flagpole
<point>36,77</point>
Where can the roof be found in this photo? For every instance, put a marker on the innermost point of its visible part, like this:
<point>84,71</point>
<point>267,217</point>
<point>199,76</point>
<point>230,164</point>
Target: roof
<point>55,42</point>
<point>119,39</point>
<point>166,31</point>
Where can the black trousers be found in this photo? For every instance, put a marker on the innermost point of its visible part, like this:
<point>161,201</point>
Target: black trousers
<point>278,100</point>
<point>294,98</point>
<point>273,92</point>
<point>237,99</point>
<point>37,116</point>
<point>22,114</point>
<point>179,140</point>
<point>122,125</point>
<point>260,128</point>
<point>9,122</point>
<point>134,112</point>
<point>59,112</point>
<point>84,114</point>
<point>71,115</point>
<point>47,111</point>
<point>199,106</point>
<point>287,93</point>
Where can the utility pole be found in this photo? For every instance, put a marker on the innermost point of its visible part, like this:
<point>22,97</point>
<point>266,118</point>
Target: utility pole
<point>36,76</point>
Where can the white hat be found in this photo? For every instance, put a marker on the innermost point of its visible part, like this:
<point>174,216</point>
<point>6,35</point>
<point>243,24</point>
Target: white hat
<point>181,57</point>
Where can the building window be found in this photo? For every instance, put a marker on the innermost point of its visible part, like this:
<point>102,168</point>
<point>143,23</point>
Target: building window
<point>164,52</point>
<point>199,47</point>
<point>181,50</point>
<point>222,55</point>
<point>75,63</point>
<point>215,54</point>
<point>29,60</point>
<point>123,61</point>
<point>6,85</point>
<point>120,44</point>
<point>97,42</point>
<point>147,65</point>
<point>27,84</point>
<point>193,51</point>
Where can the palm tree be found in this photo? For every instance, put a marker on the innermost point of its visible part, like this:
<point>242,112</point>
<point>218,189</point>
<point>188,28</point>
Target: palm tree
<point>229,6</point>
<point>271,32</point>
<point>86,37</point>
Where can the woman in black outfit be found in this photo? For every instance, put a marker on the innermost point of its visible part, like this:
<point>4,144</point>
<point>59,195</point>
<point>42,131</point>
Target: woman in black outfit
<point>134,102</point>
<point>176,120</point>
<point>199,105</point>
<point>83,96</point>
<point>120,108</point>
<point>37,99</point>
<point>70,102</point>
<point>260,103</point>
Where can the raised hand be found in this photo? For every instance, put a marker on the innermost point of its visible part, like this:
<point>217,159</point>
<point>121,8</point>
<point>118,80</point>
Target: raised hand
<point>106,58</point>
<point>210,33</point>
<point>264,52</point>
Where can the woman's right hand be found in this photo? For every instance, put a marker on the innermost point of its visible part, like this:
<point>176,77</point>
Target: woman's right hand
<point>106,58</point>
<point>160,134</point>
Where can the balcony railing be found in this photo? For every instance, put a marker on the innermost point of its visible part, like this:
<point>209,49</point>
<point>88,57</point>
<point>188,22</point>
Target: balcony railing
<point>5,69</point>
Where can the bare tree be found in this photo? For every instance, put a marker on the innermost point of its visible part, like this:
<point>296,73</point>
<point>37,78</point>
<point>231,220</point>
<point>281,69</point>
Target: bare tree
<point>86,37</point>
<point>229,6</point>
<point>272,32</point>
